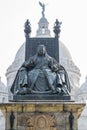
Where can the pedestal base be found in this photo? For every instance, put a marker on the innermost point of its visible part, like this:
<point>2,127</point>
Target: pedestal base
<point>41,115</point>
<point>38,97</point>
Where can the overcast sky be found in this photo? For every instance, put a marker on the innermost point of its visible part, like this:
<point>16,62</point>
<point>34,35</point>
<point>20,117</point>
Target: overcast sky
<point>72,13</point>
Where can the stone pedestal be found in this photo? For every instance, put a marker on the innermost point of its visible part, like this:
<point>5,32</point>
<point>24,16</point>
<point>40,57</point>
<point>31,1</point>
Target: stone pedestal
<point>42,115</point>
<point>40,97</point>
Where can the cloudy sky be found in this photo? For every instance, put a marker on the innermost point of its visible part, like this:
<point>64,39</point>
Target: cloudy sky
<point>72,13</point>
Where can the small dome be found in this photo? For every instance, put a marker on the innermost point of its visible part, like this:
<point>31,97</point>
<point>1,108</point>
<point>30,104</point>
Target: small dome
<point>43,30</point>
<point>43,20</point>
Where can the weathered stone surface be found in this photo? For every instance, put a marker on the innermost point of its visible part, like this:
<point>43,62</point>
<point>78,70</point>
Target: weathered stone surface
<point>42,115</point>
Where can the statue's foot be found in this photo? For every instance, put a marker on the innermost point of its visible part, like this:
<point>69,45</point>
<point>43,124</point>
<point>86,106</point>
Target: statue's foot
<point>54,92</point>
<point>58,90</point>
<point>28,91</point>
<point>53,89</point>
<point>21,91</point>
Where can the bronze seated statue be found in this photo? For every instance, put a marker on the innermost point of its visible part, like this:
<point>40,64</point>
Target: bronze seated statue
<point>41,74</point>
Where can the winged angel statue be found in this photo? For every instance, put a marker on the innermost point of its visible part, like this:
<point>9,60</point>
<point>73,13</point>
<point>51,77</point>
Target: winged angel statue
<point>43,8</point>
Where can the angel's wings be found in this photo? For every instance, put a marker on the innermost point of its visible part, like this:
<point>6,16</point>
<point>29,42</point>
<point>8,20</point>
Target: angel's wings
<point>40,4</point>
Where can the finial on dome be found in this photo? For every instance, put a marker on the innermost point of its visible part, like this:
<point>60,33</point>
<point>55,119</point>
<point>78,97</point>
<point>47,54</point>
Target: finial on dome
<point>27,29</point>
<point>43,8</point>
<point>57,26</point>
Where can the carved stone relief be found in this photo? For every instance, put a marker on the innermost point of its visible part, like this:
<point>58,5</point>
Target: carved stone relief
<point>41,122</point>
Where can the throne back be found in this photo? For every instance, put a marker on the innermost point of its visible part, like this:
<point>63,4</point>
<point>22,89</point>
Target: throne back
<point>51,44</point>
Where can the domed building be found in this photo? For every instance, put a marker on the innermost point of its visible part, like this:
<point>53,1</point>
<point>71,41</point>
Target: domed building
<point>64,54</point>
<point>82,97</point>
<point>3,99</point>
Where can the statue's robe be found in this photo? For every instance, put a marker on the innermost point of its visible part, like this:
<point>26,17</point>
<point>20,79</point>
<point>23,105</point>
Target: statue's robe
<point>39,74</point>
